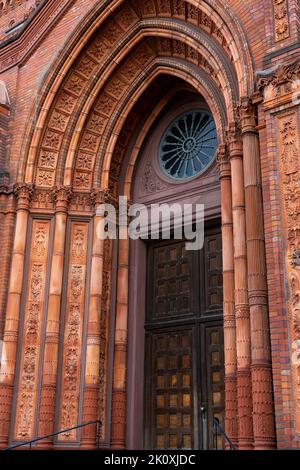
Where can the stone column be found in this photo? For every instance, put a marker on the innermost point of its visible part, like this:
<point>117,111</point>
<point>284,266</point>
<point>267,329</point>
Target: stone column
<point>263,409</point>
<point>7,224</point>
<point>231,424</point>
<point>48,388</point>
<point>11,330</point>
<point>118,418</point>
<point>244,395</point>
<point>93,348</point>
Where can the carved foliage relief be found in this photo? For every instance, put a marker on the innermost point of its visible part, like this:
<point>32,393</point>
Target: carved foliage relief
<point>289,161</point>
<point>32,330</point>
<point>281,20</point>
<point>99,118</point>
<point>90,63</point>
<point>71,364</point>
<point>96,129</point>
<point>75,85</point>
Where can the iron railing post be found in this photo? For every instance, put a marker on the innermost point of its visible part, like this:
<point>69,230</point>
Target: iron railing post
<point>218,428</point>
<point>38,439</point>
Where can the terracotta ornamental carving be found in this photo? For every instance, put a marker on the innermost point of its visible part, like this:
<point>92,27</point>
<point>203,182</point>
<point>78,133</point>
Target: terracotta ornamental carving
<point>160,105</point>
<point>281,19</point>
<point>289,160</point>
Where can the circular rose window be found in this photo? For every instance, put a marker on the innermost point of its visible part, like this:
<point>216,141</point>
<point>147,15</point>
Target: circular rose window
<point>189,145</point>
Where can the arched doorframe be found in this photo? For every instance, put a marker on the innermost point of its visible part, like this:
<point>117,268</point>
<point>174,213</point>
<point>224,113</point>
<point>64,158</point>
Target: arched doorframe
<point>135,421</point>
<point>242,343</point>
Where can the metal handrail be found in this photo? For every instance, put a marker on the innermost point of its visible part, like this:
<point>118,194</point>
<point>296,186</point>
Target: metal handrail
<point>79,426</point>
<point>217,427</point>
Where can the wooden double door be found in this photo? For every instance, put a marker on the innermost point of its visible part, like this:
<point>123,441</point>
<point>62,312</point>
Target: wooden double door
<point>184,357</point>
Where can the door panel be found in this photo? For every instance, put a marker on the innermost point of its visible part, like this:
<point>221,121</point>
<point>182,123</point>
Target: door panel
<point>214,354</point>
<point>184,385</point>
<point>171,282</point>
<point>212,272</point>
<point>170,385</point>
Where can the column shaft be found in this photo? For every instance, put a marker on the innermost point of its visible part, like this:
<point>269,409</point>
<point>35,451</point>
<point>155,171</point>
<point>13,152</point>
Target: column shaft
<point>7,223</point>
<point>50,364</point>
<point>231,424</point>
<point>244,395</point>
<point>263,408</point>
<point>11,329</point>
<point>94,333</point>
<point>118,419</point>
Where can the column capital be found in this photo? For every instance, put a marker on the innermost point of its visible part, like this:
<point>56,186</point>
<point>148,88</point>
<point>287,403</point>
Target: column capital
<point>223,160</point>
<point>61,196</point>
<point>4,190</point>
<point>23,193</point>
<point>234,140</point>
<point>281,76</point>
<point>248,117</point>
<point>102,196</point>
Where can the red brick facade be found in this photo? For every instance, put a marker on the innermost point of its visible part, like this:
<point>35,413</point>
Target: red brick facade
<point>81,82</point>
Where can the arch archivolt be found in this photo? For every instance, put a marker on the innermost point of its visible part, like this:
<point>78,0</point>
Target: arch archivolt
<point>170,67</point>
<point>198,28</point>
<point>146,55</point>
<point>113,83</point>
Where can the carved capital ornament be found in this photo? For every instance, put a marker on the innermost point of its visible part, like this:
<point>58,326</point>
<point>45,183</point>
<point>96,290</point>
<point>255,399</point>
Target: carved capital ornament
<point>61,196</point>
<point>23,193</point>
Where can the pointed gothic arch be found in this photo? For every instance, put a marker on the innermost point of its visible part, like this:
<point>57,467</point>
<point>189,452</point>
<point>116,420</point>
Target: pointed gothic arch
<point>210,18</point>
